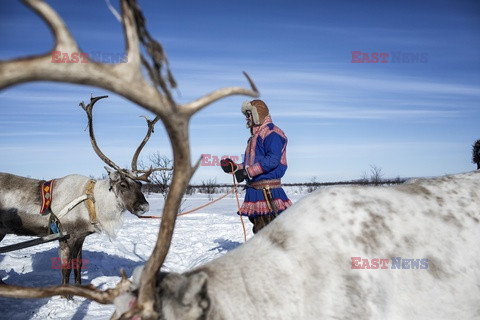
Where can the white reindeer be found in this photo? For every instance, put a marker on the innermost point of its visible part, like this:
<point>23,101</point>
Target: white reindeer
<point>322,259</point>
<point>20,203</point>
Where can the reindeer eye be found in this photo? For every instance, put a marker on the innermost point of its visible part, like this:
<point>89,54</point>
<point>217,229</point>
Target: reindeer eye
<point>124,185</point>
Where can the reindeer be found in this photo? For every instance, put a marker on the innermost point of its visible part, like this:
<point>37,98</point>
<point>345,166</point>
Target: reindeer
<point>476,153</point>
<point>105,202</point>
<point>304,264</point>
<point>321,259</point>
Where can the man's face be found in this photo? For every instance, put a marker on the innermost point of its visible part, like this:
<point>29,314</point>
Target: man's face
<point>249,119</point>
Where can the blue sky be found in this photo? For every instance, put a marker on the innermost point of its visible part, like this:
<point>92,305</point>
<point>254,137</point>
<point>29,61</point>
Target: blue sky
<point>407,118</point>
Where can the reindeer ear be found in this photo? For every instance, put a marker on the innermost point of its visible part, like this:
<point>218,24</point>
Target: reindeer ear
<point>195,290</point>
<point>113,175</point>
<point>186,294</point>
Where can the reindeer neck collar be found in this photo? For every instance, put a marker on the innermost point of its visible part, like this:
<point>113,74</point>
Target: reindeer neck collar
<point>90,202</point>
<point>46,192</point>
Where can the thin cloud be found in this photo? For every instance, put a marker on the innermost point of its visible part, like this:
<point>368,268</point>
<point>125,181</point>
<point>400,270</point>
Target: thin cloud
<point>364,114</point>
<point>377,82</point>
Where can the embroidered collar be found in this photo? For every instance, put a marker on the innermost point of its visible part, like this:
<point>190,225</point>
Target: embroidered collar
<point>257,129</point>
<point>46,191</point>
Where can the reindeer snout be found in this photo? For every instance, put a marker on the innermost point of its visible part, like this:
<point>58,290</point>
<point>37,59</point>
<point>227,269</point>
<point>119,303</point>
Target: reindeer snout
<point>142,209</point>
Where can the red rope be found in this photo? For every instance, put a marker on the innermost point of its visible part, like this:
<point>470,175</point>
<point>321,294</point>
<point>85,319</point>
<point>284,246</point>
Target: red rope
<point>238,205</point>
<point>235,188</point>
<point>193,210</point>
<point>205,205</point>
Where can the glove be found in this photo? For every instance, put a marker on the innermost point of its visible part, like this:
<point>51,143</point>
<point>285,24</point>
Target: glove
<point>228,165</point>
<point>241,175</point>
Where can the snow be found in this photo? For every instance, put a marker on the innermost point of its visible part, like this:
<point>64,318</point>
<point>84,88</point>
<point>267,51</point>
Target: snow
<point>199,237</point>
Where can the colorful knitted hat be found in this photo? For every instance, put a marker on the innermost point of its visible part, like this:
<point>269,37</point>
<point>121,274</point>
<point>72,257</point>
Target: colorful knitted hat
<point>258,108</point>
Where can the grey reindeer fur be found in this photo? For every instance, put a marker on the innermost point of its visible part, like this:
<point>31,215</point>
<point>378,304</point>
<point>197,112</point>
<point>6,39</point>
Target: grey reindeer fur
<point>20,202</point>
<point>300,266</point>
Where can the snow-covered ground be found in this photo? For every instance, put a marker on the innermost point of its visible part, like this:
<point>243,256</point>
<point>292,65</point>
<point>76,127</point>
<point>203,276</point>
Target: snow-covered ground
<point>199,237</point>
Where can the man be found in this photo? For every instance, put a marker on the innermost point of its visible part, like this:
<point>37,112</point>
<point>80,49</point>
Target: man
<point>263,166</point>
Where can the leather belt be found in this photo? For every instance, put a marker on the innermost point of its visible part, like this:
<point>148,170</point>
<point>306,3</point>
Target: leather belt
<point>262,184</point>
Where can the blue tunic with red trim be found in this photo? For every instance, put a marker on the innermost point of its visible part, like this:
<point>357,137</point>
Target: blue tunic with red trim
<point>265,159</point>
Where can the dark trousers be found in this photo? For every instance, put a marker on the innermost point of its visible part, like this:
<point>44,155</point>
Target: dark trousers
<point>260,221</point>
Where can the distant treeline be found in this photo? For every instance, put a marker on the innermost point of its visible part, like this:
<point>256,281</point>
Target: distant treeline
<point>211,187</point>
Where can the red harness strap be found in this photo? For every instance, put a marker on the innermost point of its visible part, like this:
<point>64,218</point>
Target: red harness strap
<point>47,189</point>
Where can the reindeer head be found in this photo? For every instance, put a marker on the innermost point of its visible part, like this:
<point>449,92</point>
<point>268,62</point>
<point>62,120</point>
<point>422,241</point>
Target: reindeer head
<point>124,183</point>
<point>182,296</point>
<point>128,191</point>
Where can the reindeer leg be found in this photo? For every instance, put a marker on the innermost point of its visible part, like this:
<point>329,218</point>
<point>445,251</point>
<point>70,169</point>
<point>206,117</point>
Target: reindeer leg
<point>64,251</point>
<point>2,235</point>
<point>77,254</point>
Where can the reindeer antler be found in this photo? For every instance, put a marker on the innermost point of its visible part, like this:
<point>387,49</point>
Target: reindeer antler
<point>135,174</point>
<point>127,80</point>
<point>88,291</point>
<point>150,130</point>
<point>89,111</point>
